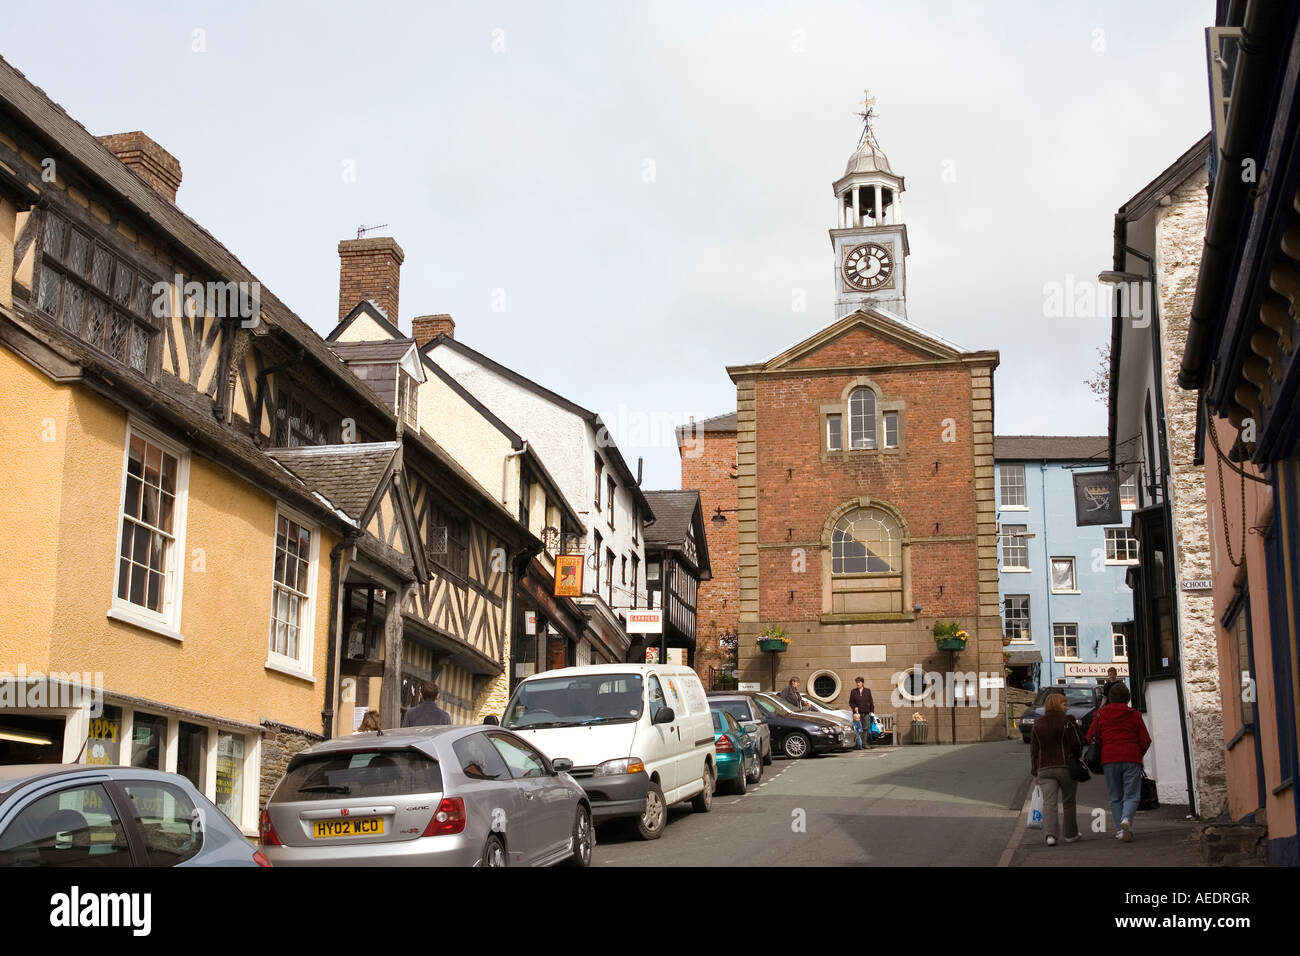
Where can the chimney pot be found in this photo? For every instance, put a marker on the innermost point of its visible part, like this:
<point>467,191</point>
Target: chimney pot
<point>426,328</point>
<point>370,269</point>
<point>140,154</point>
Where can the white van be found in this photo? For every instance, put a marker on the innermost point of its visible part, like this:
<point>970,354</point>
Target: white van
<point>640,736</point>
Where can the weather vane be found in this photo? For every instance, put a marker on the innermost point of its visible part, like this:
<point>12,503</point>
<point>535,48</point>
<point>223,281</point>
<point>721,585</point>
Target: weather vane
<point>867,115</point>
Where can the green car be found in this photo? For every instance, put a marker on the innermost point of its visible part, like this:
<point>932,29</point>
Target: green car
<point>738,761</point>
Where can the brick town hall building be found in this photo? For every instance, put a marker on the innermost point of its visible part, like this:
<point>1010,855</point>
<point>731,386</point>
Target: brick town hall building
<point>862,488</point>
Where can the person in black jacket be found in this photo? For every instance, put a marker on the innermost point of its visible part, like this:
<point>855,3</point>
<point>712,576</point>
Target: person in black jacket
<point>863,707</point>
<point>427,712</point>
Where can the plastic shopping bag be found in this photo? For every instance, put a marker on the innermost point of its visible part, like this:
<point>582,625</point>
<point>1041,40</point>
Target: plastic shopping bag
<point>1036,809</point>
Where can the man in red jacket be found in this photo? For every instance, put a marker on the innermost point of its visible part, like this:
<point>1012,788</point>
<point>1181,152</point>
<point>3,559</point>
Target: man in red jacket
<point>1124,740</point>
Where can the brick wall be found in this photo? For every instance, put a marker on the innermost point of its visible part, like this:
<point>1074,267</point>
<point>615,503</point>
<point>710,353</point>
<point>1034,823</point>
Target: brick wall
<point>370,269</point>
<point>708,460</point>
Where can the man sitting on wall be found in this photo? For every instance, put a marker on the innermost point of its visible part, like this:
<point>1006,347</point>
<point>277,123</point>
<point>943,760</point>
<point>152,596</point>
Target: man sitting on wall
<point>426,713</point>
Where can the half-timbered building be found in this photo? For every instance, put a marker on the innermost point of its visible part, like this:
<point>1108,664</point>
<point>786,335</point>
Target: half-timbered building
<point>228,531</point>
<point>677,560</point>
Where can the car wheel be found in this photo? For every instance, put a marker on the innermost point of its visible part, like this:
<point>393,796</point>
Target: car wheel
<point>1024,738</point>
<point>704,800</point>
<point>584,838</point>
<point>796,746</point>
<point>650,825</point>
<point>494,853</point>
<point>757,776</point>
<point>738,786</point>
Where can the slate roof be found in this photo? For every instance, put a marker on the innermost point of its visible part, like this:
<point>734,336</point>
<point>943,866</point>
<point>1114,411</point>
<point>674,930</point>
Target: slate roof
<point>390,351</point>
<point>345,475</point>
<point>673,513</point>
<point>1050,448</point>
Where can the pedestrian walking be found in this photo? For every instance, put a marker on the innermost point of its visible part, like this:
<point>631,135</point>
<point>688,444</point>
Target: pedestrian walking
<point>370,722</point>
<point>1124,740</point>
<point>863,708</point>
<point>1112,678</point>
<point>1054,741</point>
<point>426,713</point>
<point>791,694</point>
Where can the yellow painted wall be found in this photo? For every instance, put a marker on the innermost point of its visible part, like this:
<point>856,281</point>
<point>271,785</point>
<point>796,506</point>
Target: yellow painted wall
<point>365,329</point>
<point>32,410</point>
<point>67,525</point>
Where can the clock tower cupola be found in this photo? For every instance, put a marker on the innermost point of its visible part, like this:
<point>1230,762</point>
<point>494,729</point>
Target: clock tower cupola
<point>869,238</point>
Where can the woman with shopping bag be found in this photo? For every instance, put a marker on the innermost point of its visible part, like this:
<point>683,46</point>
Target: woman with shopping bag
<point>1055,741</point>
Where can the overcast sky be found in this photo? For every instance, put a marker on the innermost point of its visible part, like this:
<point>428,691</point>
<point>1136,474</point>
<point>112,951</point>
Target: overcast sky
<point>618,200</point>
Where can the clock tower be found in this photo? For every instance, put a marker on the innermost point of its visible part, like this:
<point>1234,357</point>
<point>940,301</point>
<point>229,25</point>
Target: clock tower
<point>869,238</point>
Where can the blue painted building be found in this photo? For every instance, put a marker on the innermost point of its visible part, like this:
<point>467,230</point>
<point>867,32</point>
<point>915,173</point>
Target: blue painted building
<point>1065,604</point>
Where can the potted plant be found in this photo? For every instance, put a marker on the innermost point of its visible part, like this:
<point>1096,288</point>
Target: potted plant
<point>773,639</point>
<point>949,636</point>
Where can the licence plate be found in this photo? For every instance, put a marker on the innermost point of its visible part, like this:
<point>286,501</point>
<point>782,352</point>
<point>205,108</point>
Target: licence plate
<point>367,826</point>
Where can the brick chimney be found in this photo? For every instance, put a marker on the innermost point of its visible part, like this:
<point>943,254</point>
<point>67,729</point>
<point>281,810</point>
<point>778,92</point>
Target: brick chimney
<point>159,168</point>
<point>425,328</point>
<point>370,269</point>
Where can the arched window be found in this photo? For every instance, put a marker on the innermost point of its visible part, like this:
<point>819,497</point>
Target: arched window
<point>866,540</point>
<point>862,418</point>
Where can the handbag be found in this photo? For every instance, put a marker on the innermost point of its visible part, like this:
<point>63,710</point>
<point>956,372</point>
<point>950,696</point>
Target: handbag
<point>1078,772</point>
<point>1092,753</point>
<point>1036,809</point>
<point>1149,799</point>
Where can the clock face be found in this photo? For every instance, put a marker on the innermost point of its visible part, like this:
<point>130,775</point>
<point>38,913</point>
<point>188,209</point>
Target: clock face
<point>868,266</point>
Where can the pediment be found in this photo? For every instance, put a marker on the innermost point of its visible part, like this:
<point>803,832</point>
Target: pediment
<point>865,337</point>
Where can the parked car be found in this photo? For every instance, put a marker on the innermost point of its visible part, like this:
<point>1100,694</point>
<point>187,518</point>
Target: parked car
<point>841,717</point>
<point>1079,700</point>
<point>738,761</point>
<point>748,715</point>
<point>817,707</point>
<point>85,815</point>
<point>640,736</point>
<point>799,734</point>
<point>427,796</point>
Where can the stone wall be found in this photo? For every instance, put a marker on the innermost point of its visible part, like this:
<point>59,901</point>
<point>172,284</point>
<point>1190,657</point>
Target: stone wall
<point>492,699</point>
<point>1180,230</point>
<point>279,743</point>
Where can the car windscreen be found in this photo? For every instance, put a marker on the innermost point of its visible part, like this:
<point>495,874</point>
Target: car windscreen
<point>359,773</point>
<point>1074,696</point>
<point>578,701</point>
<point>772,706</point>
<point>736,708</point>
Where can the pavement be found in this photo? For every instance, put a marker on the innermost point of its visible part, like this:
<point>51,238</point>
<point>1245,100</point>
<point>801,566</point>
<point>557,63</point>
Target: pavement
<point>1161,838</point>
<point>938,805</point>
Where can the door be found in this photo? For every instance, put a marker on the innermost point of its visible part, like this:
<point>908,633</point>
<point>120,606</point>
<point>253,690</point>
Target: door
<point>490,792</point>
<point>76,826</point>
<point>545,806</point>
<point>555,653</point>
<point>661,741</point>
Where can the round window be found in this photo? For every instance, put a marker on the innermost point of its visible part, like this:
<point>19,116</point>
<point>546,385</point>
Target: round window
<point>911,684</point>
<point>824,685</point>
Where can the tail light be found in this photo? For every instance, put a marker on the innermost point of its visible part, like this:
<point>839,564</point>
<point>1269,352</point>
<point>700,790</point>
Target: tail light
<point>266,834</point>
<point>260,859</point>
<point>448,818</point>
<point>724,745</point>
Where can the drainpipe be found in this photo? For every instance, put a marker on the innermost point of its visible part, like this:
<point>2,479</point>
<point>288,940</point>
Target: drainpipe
<point>505,477</point>
<point>337,570</point>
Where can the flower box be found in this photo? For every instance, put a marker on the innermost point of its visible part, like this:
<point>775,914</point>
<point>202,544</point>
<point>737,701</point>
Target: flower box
<point>773,644</point>
<point>951,644</point>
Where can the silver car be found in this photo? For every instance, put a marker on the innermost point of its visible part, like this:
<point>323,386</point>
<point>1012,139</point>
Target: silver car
<point>83,815</point>
<point>427,796</point>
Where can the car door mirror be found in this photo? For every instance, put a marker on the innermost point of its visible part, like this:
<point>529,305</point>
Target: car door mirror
<point>665,716</point>
<point>561,764</point>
